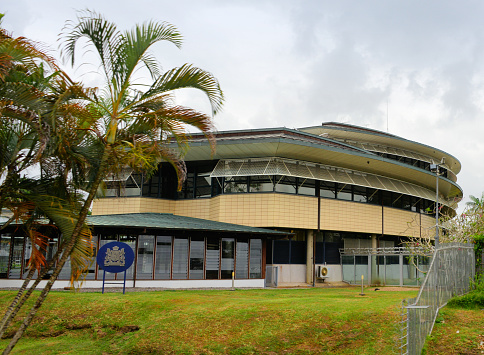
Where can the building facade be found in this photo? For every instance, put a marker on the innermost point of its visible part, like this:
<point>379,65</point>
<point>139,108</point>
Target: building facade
<point>329,187</point>
<point>169,252</point>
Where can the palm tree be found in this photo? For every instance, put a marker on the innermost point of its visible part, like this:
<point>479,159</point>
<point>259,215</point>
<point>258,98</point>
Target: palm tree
<point>32,101</point>
<point>475,204</point>
<point>128,126</point>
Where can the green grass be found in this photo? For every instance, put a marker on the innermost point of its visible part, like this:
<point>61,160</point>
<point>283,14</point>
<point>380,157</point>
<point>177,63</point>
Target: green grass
<point>290,321</point>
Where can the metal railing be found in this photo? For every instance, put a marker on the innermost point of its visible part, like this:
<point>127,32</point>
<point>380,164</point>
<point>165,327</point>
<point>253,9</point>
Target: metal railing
<point>450,274</point>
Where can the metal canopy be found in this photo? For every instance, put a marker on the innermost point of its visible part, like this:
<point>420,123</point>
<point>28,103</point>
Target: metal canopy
<point>307,170</point>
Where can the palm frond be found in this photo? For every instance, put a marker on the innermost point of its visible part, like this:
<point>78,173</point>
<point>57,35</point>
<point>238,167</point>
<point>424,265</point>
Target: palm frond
<point>188,76</point>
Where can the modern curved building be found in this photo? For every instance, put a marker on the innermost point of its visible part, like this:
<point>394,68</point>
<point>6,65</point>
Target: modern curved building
<point>330,188</point>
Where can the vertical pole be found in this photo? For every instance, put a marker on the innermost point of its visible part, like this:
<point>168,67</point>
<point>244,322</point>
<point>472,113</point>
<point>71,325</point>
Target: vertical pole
<point>233,281</point>
<point>437,207</point>
<point>104,278</point>
<point>124,283</point>
<point>362,278</point>
<point>400,264</point>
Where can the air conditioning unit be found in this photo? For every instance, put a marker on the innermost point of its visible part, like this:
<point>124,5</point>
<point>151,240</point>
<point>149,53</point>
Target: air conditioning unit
<point>322,272</point>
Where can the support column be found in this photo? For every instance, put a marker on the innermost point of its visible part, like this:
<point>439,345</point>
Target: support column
<point>375,277</point>
<point>309,256</point>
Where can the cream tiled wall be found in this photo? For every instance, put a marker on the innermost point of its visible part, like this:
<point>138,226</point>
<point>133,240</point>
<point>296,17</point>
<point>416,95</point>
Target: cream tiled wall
<point>279,210</point>
<point>350,216</point>
<point>399,222</point>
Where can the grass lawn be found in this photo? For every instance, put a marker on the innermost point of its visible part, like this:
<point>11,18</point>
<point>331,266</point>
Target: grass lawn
<point>282,321</point>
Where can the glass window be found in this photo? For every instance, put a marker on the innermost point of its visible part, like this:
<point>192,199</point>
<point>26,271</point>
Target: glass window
<point>197,253</point>
<point>360,194</point>
<point>180,258</point>
<point>213,258</point>
<point>5,241</point>
<point>386,198</point>
<point>415,204</point>
<point>133,184</point>
<point>235,185</point>
<point>203,185</point>
<point>228,245</point>
<point>373,196</point>
<point>255,258</point>
<point>286,184</point>
<point>242,259</point>
<point>144,266</point>
<point>344,192</point>
<point>306,187</point>
<point>163,257</point>
<point>328,189</point>
<point>397,200</point>
<point>406,202</point>
<point>261,184</point>
<point>16,259</point>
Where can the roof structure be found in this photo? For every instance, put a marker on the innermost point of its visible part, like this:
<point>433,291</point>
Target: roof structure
<point>168,221</point>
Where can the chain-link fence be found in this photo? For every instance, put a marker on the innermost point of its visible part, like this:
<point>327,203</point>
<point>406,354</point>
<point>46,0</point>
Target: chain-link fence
<point>450,274</point>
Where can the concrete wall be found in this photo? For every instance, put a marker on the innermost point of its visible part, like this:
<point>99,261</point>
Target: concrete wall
<point>296,274</point>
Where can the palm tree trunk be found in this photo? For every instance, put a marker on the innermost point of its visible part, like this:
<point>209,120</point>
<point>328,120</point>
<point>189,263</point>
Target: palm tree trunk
<point>16,305</point>
<point>67,252</point>
<point>9,314</point>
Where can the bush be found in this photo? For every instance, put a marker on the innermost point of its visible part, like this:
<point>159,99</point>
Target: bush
<point>472,300</point>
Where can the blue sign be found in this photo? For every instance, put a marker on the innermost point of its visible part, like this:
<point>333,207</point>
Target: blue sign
<point>115,257</point>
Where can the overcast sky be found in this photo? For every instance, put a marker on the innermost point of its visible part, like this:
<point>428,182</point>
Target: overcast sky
<point>413,67</point>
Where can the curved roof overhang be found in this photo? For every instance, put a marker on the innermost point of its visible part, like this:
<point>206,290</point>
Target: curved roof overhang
<point>359,134</point>
<point>282,143</point>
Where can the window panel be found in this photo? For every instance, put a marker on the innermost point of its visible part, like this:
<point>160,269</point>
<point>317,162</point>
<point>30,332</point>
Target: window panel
<point>228,252</point>
<point>286,184</point>
<point>5,242</point>
<point>255,258</point>
<point>306,187</point>
<point>344,192</point>
<point>16,258</point>
<point>242,259</point>
<point>163,257</point>
<point>197,251</point>
<point>374,196</point>
<point>261,184</point>
<point>180,258</point>
<point>144,267</point>
<point>360,194</point>
<point>328,189</point>
<point>235,185</point>
<point>213,258</point>
<point>203,185</point>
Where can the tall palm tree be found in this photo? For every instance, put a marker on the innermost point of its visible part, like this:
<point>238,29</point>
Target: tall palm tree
<point>128,126</point>
<point>34,95</point>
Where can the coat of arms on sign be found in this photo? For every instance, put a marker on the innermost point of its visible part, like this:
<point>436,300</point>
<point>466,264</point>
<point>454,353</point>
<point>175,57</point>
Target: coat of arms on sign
<point>114,257</point>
